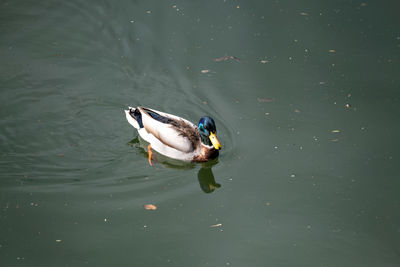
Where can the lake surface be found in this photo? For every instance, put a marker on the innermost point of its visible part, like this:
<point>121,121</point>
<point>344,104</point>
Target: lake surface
<point>305,95</point>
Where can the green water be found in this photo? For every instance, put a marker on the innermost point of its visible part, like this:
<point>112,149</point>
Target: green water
<point>308,121</point>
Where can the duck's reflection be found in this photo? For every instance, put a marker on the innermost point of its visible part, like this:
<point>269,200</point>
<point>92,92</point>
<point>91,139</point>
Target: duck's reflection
<point>205,175</point>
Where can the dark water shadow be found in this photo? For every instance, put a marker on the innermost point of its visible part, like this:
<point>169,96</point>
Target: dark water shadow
<point>205,175</point>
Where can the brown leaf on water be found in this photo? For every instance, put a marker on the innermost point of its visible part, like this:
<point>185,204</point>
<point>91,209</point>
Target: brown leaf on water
<point>150,207</point>
<point>265,99</point>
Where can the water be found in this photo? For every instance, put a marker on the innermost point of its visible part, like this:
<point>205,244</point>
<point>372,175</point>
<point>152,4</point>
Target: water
<point>308,120</point>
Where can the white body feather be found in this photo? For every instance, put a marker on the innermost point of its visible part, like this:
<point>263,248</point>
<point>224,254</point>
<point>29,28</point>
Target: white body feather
<point>163,137</point>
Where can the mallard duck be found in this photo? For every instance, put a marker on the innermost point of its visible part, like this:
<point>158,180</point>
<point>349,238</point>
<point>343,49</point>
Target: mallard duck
<point>175,137</point>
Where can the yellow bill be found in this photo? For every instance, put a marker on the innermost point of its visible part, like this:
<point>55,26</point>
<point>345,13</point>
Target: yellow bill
<point>214,140</point>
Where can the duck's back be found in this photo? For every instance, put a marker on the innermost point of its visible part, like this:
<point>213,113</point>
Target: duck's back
<point>171,130</point>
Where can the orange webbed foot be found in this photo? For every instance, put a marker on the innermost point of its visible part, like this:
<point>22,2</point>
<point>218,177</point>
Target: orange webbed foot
<point>150,153</point>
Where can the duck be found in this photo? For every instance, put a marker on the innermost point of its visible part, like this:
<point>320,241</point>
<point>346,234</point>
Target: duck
<point>175,137</point>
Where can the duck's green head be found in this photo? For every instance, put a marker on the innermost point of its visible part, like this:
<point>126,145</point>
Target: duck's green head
<point>208,132</point>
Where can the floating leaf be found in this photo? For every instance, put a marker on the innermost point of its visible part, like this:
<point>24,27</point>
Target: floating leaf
<point>150,207</point>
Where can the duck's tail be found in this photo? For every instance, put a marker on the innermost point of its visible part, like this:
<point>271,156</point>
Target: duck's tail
<point>134,117</point>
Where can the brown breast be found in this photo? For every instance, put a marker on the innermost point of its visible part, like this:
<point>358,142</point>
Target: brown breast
<point>206,154</point>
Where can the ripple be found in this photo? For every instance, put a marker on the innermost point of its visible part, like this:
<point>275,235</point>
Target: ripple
<point>63,128</point>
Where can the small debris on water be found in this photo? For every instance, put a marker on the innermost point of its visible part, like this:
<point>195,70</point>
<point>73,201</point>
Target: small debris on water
<point>225,58</point>
<point>150,207</point>
<point>335,131</point>
<point>216,225</point>
<point>205,71</point>
<point>58,240</point>
<point>332,51</point>
<point>265,99</point>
